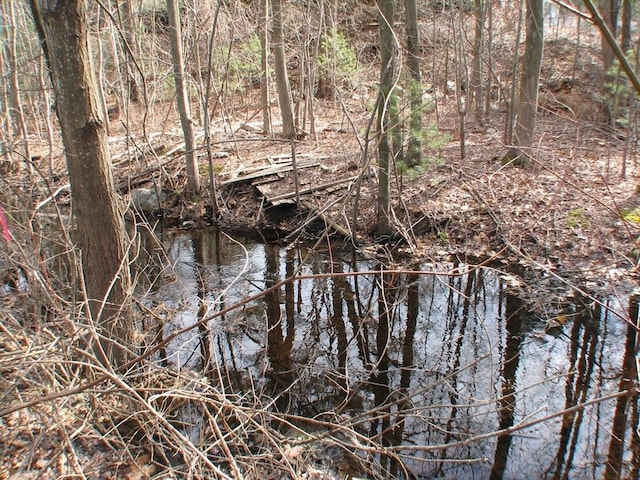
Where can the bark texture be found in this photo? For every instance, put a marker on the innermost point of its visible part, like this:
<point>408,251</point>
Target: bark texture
<point>182,98</point>
<point>526,108</point>
<point>414,149</point>
<point>101,231</point>
<point>609,10</point>
<point>385,113</point>
<point>282,79</point>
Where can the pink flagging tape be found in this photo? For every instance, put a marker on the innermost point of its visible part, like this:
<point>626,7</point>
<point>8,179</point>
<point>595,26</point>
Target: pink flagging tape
<point>4,225</point>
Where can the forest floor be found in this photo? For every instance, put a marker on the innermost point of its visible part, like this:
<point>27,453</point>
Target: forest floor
<point>570,219</point>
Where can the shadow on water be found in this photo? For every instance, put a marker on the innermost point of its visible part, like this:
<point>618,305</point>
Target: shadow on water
<point>440,365</point>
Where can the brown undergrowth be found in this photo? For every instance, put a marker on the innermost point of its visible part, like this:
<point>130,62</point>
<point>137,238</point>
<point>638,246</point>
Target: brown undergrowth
<point>562,226</point>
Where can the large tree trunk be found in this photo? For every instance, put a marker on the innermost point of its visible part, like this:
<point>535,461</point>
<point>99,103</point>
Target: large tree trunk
<point>511,102</point>
<point>385,113</point>
<point>282,79</point>
<point>525,118</point>
<point>101,231</point>
<point>182,98</point>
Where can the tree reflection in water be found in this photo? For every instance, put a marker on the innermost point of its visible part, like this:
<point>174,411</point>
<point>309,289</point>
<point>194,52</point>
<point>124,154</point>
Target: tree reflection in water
<point>433,372</point>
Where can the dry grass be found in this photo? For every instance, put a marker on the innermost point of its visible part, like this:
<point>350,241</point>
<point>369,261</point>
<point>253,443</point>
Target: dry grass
<point>63,414</point>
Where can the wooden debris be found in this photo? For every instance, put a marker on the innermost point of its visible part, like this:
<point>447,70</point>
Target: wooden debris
<point>266,179</point>
<point>327,221</point>
<point>278,168</point>
<point>328,187</point>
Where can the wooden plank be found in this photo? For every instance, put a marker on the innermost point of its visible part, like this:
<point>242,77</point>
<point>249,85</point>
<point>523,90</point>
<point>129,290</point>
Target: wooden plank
<point>284,201</point>
<point>265,180</point>
<point>267,191</point>
<point>341,183</point>
<point>272,170</point>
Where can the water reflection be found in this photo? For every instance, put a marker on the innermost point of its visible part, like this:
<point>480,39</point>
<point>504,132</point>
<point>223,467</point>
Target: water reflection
<point>430,366</point>
<point>506,402</point>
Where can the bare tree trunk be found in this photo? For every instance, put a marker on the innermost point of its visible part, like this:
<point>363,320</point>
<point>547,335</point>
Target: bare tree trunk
<point>99,64</point>
<point>205,109</point>
<point>20,126</point>
<point>461,79</point>
<point>489,56</point>
<point>282,79</point>
<point>44,86</point>
<point>511,103</point>
<point>414,150</point>
<point>312,66</point>
<point>385,113</point>
<point>5,129</point>
<point>578,47</point>
<point>625,26</point>
<point>182,98</point>
<point>525,117</point>
<point>64,26</point>
<point>130,47</point>
<point>476,72</point>
<point>609,9</point>
<point>264,62</point>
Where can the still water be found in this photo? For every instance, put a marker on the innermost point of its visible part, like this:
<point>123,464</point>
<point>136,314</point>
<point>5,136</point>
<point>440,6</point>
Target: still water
<point>430,362</point>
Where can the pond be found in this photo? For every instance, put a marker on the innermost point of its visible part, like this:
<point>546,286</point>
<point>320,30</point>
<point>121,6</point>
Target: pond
<point>441,364</point>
